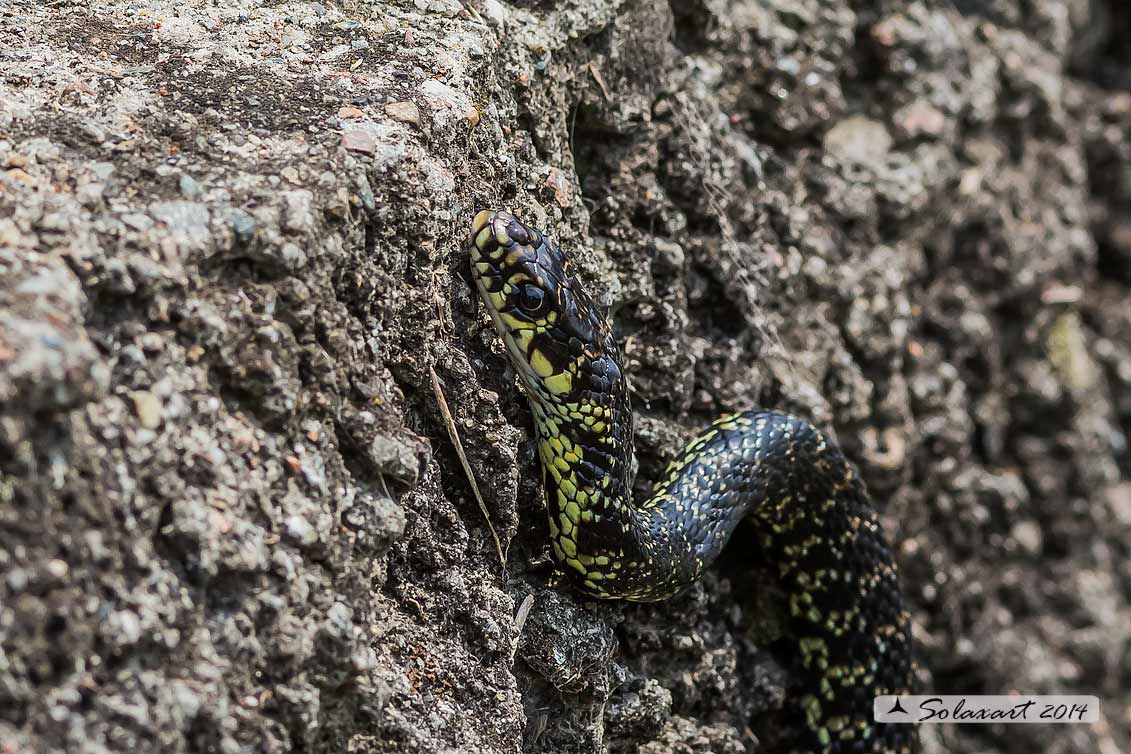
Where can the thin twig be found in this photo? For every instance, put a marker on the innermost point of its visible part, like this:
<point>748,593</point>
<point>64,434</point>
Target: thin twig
<point>520,622</point>
<point>595,72</point>
<point>454,434</point>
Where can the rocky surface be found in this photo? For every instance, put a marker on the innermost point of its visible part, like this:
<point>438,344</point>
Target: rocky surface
<point>231,247</point>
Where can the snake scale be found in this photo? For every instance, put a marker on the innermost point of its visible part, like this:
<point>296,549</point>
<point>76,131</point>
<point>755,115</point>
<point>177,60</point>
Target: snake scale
<point>810,510</point>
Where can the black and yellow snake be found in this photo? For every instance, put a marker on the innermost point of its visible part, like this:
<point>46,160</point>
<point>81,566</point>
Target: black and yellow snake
<point>810,509</point>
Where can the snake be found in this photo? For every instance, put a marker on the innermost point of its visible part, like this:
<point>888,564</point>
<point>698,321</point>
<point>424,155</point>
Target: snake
<point>810,510</point>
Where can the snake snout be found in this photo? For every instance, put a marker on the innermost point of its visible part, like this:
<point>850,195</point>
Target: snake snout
<point>482,220</point>
<point>494,228</point>
<point>490,241</point>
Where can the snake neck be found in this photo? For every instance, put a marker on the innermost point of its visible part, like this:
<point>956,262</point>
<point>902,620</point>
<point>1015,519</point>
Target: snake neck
<point>612,546</point>
<point>585,445</point>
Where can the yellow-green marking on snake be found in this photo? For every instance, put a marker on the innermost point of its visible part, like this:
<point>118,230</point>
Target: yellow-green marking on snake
<point>811,512</point>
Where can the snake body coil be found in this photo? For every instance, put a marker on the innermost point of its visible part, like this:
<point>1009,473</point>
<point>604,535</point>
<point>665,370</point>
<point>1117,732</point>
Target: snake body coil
<point>811,512</point>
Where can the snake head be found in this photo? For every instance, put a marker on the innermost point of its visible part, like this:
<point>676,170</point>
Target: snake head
<point>550,326</point>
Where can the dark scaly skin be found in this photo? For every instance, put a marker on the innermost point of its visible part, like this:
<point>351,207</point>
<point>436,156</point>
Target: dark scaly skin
<point>812,513</point>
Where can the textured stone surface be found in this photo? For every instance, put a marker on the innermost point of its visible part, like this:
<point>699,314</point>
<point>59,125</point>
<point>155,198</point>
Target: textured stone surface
<point>231,240</point>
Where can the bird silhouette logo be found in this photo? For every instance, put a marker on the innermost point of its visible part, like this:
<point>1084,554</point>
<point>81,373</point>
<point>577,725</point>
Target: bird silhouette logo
<point>898,707</point>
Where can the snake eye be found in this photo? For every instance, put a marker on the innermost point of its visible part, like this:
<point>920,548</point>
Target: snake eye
<point>532,299</point>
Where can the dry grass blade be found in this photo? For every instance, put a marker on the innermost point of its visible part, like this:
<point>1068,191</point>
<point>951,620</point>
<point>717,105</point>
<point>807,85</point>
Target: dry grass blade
<point>520,623</point>
<point>454,434</point>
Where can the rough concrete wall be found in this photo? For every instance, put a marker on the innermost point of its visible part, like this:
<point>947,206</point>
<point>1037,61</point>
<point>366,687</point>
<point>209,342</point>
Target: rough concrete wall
<point>231,239</point>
